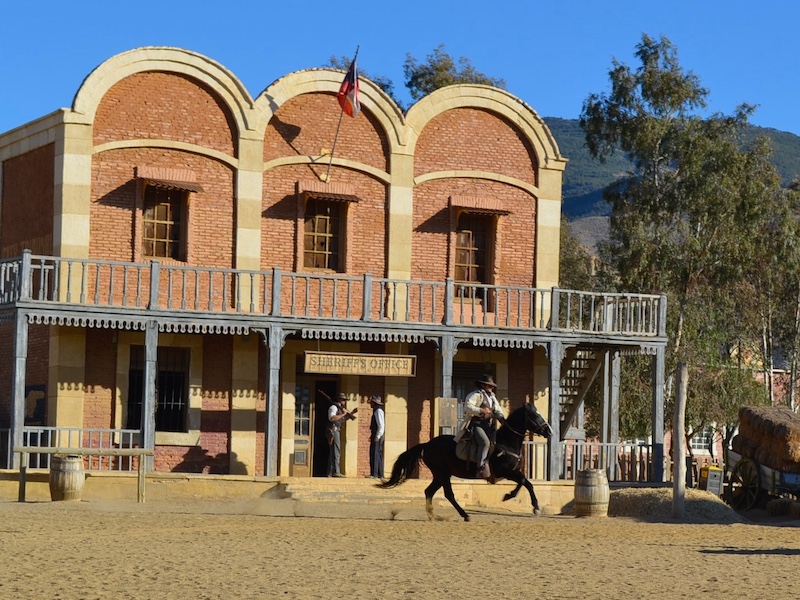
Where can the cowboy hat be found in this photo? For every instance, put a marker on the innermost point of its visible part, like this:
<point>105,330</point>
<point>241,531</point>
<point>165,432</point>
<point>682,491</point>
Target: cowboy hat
<point>486,380</point>
<point>342,397</point>
<point>376,399</point>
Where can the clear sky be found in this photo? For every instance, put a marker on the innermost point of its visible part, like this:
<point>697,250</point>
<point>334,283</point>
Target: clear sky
<point>552,55</point>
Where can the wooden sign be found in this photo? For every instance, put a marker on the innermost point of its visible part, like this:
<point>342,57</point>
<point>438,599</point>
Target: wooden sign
<point>342,363</point>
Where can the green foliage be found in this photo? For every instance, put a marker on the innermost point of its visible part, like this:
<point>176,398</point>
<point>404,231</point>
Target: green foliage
<point>441,70</point>
<point>576,271</point>
<point>688,219</point>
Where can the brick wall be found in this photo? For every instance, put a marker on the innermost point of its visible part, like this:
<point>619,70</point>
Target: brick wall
<point>471,138</point>
<point>101,379</point>
<point>6,374</point>
<point>114,205</point>
<point>306,124</point>
<point>216,417</point>
<point>514,244</point>
<point>164,106</point>
<point>367,386</point>
<point>35,366</point>
<point>27,198</point>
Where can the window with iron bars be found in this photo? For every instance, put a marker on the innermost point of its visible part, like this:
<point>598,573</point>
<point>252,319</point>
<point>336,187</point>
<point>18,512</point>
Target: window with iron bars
<point>322,235</point>
<point>163,223</point>
<point>172,389</point>
<point>471,252</point>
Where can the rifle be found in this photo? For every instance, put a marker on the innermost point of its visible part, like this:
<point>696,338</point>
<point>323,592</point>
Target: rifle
<point>348,415</point>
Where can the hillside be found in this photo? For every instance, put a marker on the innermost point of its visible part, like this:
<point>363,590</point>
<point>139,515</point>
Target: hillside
<point>585,178</point>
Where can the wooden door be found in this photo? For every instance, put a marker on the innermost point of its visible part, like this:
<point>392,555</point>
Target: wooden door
<point>310,455</point>
<point>303,431</point>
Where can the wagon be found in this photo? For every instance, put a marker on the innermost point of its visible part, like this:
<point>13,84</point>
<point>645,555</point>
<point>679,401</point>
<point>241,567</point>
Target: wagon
<point>747,479</point>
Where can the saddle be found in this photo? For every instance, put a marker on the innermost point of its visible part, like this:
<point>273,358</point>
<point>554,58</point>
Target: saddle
<point>467,450</point>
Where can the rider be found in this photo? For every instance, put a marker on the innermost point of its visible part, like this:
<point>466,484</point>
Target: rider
<point>480,407</point>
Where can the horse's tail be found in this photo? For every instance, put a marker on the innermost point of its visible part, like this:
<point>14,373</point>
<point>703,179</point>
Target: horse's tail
<point>403,466</point>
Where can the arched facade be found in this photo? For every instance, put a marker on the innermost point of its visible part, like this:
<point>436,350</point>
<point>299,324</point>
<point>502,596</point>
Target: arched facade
<point>259,235</point>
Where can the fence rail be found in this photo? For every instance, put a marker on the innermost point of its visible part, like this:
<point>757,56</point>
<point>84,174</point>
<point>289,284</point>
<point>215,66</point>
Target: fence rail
<point>274,292</point>
<point>623,462</point>
<point>80,439</point>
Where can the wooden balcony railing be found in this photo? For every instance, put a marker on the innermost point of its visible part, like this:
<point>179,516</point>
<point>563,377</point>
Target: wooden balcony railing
<point>156,286</point>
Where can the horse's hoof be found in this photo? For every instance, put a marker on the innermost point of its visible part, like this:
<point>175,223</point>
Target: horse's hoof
<point>466,517</point>
<point>536,512</point>
<point>507,497</point>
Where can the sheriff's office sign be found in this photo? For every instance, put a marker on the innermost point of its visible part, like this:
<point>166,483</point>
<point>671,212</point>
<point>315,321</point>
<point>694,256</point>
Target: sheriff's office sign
<point>342,363</point>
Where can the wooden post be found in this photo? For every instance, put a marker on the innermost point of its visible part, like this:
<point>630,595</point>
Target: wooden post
<point>23,476</point>
<point>140,479</point>
<point>275,343</point>
<point>678,446</point>
<point>556,355</point>
<point>658,414</point>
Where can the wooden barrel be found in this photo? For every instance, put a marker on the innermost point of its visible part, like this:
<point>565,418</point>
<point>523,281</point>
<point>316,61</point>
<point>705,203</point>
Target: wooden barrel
<point>66,477</point>
<point>591,493</point>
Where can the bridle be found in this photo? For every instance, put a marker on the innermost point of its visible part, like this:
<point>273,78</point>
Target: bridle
<point>526,429</point>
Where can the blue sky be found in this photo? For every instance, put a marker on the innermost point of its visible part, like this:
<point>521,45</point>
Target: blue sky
<point>552,55</point>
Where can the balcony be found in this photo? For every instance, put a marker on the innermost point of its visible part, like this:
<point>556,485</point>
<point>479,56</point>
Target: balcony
<point>155,289</point>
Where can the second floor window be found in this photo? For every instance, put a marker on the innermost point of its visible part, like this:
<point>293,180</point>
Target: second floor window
<point>472,249</point>
<point>322,234</point>
<point>164,223</point>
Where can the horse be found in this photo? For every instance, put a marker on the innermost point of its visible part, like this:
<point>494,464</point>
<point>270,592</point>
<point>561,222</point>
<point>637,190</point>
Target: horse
<point>439,455</point>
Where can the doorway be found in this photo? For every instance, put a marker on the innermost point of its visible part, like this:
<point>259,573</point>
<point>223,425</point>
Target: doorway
<point>310,420</point>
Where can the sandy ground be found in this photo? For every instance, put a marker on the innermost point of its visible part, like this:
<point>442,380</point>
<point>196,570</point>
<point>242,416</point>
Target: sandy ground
<point>267,548</point>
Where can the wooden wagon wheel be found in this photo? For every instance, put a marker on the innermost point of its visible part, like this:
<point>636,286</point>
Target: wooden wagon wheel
<point>744,484</point>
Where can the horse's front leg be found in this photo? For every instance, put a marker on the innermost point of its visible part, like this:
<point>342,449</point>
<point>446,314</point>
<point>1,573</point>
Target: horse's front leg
<point>513,493</point>
<point>521,480</point>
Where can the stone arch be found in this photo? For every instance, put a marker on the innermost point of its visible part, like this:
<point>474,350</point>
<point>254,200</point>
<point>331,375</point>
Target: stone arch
<point>176,60</point>
<point>372,97</point>
<point>492,99</point>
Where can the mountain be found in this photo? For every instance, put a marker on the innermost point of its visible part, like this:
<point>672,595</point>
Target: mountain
<point>585,177</point>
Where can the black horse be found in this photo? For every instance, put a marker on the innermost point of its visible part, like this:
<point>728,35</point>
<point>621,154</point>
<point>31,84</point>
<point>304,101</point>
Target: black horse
<point>439,455</point>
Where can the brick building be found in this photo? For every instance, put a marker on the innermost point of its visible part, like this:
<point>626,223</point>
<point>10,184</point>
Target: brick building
<point>190,264</point>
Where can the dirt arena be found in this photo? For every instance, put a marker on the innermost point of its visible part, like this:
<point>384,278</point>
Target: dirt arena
<point>286,549</point>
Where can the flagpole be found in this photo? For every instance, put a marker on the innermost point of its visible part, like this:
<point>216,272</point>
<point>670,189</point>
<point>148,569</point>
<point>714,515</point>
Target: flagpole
<point>333,148</point>
<point>338,127</point>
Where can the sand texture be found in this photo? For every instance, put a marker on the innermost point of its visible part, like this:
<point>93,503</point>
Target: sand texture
<point>268,548</point>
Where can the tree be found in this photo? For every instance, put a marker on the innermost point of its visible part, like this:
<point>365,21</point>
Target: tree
<point>684,220</point>
<point>440,71</point>
<point>576,264</point>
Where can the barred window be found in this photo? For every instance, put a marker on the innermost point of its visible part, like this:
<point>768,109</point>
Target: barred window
<point>471,243</point>
<point>163,223</point>
<point>323,234</point>
<point>172,389</point>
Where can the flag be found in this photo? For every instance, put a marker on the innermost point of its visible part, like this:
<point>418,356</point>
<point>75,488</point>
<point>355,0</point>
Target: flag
<point>348,92</point>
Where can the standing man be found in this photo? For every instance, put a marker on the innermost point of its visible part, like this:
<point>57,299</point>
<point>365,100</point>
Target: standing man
<point>337,415</point>
<point>480,408</point>
<point>377,428</point>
